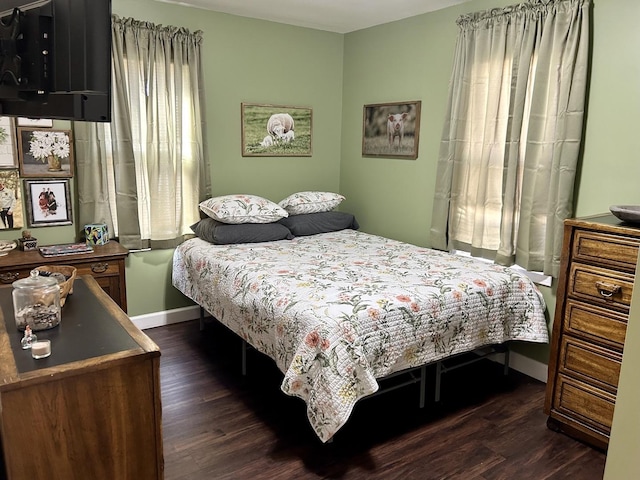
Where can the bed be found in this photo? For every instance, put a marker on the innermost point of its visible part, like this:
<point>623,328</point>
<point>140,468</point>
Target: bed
<point>338,311</point>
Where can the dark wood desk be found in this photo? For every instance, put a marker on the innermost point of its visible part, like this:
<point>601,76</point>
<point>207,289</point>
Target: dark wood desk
<point>105,264</point>
<point>92,409</point>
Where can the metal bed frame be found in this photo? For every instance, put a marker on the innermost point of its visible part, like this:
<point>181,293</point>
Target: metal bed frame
<point>416,374</point>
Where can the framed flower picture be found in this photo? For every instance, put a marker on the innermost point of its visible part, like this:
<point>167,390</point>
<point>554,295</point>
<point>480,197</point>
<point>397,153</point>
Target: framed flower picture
<point>45,152</point>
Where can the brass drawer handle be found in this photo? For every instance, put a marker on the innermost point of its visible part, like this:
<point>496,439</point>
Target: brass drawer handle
<point>607,290</point>
<point>99,267</point>
<point>8,277</point>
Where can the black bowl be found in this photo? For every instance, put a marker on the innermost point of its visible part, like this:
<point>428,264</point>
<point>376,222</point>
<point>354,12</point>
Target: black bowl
<point>626,213</point>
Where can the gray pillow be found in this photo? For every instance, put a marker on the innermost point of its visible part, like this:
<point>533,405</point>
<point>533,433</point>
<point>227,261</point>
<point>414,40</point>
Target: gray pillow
<point>224,233</point>
<point>321,222</point>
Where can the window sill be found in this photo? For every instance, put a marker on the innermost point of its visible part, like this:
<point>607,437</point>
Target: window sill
<point>538,278</point>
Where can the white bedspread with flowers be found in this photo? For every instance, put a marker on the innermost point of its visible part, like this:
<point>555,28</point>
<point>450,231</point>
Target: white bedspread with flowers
<point>338,310</point>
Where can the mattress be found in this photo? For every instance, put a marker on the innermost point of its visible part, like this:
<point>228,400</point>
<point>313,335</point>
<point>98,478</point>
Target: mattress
<point>337,311</point>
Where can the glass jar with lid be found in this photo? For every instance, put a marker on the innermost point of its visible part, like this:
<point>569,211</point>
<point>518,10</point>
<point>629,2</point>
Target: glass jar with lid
<point>36,302</point>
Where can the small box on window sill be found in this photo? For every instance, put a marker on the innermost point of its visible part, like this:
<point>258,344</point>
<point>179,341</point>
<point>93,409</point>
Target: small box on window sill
<point>27,244</point>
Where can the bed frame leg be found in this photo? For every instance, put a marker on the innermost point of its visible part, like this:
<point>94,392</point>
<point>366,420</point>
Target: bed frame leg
<point>244,358</point>
<point>438,378</point>
<point>423,385</point>
<point>201,319</point>
<point>506,362</point>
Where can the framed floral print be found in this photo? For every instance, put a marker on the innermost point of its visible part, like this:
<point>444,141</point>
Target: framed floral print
<point>45,152</point>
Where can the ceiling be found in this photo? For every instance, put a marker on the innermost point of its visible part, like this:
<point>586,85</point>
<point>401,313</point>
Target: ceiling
<point>340,16</point>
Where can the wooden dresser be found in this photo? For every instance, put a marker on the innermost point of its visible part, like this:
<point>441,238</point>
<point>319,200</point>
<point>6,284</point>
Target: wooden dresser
<point>105,264</point>
<point>92,409</point>
<point>599,256</point>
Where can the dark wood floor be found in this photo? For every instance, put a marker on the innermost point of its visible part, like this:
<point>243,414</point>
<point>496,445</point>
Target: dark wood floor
<point>218,424</point>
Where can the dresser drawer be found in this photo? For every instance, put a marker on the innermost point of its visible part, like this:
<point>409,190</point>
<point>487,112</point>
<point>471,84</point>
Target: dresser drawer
<point>600,286</point>
<point>590,363</point>
<point>606,250</point>
<point>584,403</point>
<point>604,326</point>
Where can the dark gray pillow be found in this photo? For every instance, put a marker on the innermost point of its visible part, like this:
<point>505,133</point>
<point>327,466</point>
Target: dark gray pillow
<point>224,234</point>
<point>321,222</point>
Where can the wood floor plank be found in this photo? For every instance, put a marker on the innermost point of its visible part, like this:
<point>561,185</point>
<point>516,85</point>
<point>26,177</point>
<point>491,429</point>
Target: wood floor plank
<point>219,424</point>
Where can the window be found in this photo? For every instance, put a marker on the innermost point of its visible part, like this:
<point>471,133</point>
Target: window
<point>146,171</point>
<point>512,134</point>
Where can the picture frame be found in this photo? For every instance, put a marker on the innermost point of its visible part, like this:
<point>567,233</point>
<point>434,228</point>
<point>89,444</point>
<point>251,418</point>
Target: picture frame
<point>48,202</point>
<point>35,122</point>
<point>8,150</point>
<point>45,152</point>
<point>276,130</point>
<point>391,130</point>
<point>11,217</point>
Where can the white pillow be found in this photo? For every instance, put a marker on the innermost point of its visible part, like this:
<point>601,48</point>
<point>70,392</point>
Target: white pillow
<point>311,202</point>
<point>240,208</point>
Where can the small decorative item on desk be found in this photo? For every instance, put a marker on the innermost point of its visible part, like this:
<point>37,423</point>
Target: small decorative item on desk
<point>36,302</point>
<point>28,339</point>
<point>27,242</point>
<point>6,247</point>
<point>96,234</point>
<point>41,349</point>
<point>65,275</point>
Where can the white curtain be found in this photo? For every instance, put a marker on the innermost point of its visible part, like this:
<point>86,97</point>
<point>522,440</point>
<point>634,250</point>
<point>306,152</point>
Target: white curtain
<point>512,134</point>
<point>145,172</point>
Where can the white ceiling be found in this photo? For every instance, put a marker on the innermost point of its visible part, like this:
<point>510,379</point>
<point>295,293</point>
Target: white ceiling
<point>341,16</point>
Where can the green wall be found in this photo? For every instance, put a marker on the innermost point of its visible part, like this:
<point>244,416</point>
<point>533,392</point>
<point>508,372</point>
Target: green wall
<point>247,60</point>
<point>244,60</point>
<point>411,60</point>
<point>255,61</point>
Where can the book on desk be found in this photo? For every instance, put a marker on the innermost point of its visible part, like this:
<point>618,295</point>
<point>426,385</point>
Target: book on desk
<point>65,249</point>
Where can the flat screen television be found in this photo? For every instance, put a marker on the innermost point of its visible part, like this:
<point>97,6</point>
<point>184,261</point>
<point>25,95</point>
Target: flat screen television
<point>55,59</point>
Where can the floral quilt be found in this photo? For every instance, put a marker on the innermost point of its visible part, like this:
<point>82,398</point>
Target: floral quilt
<point>338,310</point>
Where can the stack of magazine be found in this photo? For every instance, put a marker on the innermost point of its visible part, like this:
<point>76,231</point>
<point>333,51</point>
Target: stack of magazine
<point>66,249</point>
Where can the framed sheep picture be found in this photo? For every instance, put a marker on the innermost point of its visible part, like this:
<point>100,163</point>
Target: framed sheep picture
<point>391,130</point>
<point>276,130</point>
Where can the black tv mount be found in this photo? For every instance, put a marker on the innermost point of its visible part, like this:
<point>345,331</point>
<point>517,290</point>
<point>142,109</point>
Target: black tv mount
<point>10,60</point>
<point>24,54</point>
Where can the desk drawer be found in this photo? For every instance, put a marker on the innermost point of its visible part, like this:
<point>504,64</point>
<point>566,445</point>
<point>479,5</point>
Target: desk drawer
<point>98,268</point>
<point>600,286</point>
<point>590,363</point>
